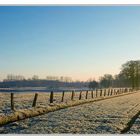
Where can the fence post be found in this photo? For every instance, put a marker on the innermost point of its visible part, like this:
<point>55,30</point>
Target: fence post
<point>35,99</point>
<point>111,92</point>
<point>12,101</point>
<point>104,92</point>
<point>108,91</point>
<point>51,97</point>
<point>80,95</point>
<point>72,96</point>
<point>63,96</point>
<point>119,90</point>
<point>101,92</point>
<point>92,94</point>
<point>96,92</point>
<point>114,92</point>
<point>87,94</point>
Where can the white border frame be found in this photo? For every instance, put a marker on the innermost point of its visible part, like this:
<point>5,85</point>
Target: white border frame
<point>66,2</point>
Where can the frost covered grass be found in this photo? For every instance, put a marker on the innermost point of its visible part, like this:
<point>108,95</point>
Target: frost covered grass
<point>25,100</point>
<point>103,117</point>
<point>21,114</point>
<point>135,129</point>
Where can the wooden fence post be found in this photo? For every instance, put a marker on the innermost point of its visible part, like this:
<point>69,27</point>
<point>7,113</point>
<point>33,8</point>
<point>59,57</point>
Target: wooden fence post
<point>35,99</point>
<point>63,96</point>
<point>80,95</point>
<point>114,91</point>
<point>108,92</point>
<point>87,94</point>
<point>96,92</point>
<point>12,101</point>
<point>101,92</point>
<point>51,97</point>
<point>104,92</point>
<point>72,96</point>
<point>119,91</point>
<point>92,94</point>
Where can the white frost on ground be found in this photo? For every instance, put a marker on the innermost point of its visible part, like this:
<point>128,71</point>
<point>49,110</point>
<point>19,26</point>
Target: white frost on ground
<point>25,100</point>
<point>135,129</point>
<point>103,117</point>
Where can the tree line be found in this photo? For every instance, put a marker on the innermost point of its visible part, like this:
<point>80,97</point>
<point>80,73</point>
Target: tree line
<point>48,84</point>
<point>129,76</point>
<point>11,77</point>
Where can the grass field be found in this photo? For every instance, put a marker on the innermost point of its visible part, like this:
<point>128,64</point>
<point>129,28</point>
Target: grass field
<point>108,116</point>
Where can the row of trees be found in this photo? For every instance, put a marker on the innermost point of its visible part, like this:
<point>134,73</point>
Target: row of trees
<point>50,82</point>
<point>11,77</point>
<point>129,76</point>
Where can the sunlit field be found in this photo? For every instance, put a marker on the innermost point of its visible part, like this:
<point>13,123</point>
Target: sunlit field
<point>108,116</point>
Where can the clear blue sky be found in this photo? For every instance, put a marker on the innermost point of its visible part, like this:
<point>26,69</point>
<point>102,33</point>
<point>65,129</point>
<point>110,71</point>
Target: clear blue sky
<point>80,42</point>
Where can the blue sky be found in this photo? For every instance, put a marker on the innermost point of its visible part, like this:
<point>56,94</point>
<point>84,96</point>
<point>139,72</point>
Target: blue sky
<point>80,42</point>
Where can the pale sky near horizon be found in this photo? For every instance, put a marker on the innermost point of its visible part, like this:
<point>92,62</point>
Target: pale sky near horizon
<point>80,42</point>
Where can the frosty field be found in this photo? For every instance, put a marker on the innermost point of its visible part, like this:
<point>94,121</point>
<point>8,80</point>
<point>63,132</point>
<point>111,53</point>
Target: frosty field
<point>109,116</point>
<point>25,100</point>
